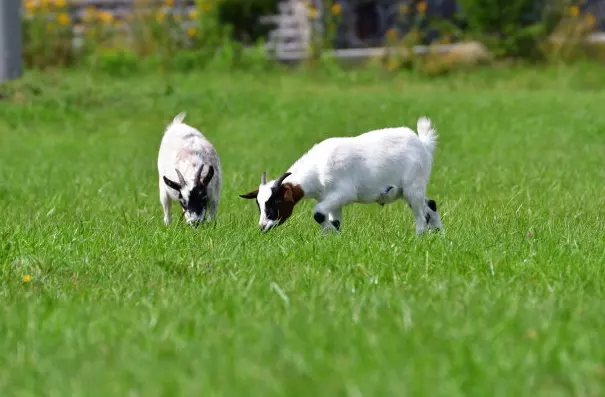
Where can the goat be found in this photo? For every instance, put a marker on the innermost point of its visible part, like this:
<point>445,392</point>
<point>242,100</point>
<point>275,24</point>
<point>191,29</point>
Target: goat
<point>379,166</point>
<point>183,155</point>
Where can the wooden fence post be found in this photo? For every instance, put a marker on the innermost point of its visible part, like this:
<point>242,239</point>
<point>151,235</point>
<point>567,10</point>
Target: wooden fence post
<point>10,40</point>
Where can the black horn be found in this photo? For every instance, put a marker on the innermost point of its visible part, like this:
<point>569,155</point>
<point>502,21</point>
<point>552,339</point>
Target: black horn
<point>208,176</point>
<point>279,180</point>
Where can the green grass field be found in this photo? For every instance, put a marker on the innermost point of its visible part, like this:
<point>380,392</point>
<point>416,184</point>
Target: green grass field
<point>509,302</point>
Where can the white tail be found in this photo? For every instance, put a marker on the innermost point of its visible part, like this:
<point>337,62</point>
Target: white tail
<point>178,119</point>
<point>427,133</point>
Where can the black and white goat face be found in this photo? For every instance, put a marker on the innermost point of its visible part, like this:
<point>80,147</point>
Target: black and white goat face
<point>275,201</point>
<point>192,196</point>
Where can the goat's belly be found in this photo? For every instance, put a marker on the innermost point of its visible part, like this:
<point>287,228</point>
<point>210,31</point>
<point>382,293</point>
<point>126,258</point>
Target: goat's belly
<point>382,194</point>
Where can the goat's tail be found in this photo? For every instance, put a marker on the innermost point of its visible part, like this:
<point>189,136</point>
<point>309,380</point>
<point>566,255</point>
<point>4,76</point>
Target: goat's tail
<point>178,119</point>
<point>427,133</point>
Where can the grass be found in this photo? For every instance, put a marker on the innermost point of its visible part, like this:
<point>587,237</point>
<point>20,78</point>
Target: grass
<point>508,302</point>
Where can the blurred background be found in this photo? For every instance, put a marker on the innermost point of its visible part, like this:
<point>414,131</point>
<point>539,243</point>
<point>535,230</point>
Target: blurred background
<point>183,34</point>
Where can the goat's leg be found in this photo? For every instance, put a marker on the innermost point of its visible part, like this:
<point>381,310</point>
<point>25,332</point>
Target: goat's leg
<point>335,217</point>
<point>166,203</point>
<point>434,219</point>
<point>415,196</point>
<point>212,210</point>
<point>330,205</point>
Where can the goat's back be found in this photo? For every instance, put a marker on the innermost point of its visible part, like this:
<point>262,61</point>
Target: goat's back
<point>185,148</point>
<point>369,162</point>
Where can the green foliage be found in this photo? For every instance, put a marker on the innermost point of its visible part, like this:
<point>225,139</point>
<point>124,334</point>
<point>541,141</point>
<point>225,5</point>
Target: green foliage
<point>187,60</point>
<point>116,62</point>
<point>500,24</point>
<point>47,35</point>
<point>222,33</point>
<point>243,16</point>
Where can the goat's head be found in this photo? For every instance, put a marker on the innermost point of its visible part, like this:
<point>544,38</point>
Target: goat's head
<point>193,196</point>
<point>275,200</point>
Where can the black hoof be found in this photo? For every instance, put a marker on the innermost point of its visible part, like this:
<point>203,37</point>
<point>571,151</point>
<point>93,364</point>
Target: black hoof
<point>319,217</point>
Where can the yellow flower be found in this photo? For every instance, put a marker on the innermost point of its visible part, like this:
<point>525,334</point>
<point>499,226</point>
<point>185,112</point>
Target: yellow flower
<point>574,11</point>
<point>30,5</point>
<point>194,14</point>
<point>44,3</point>
<point>336,9</point>
<point>106,17</point>
<point>421,7</point>
<point>591,20</point>
<point>191,32</point>
<point>27,278</point>
<point>169,3</point>
<point>403,9</point>
<point>160,17</point>
<point>60,3</point>
<point>312,12</point>
<point>63,19</point>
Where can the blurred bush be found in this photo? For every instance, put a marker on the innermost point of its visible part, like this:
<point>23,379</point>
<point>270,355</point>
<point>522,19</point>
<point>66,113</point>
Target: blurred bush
<point>243,16</point>
<point>214,33</point>
<point>512,27</point>
<point>47,33</point>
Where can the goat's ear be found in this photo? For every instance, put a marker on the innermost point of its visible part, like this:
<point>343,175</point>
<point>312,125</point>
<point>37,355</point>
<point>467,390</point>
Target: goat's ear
<point>287,194</point>
<point>250,195</point>
<point>172,184</point>
<point>208,176</point>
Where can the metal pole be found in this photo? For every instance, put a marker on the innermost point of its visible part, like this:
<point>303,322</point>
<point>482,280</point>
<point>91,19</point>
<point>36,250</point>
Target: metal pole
<point>10,40</point>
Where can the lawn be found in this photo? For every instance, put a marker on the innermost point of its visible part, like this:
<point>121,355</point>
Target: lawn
<point>98,298</point>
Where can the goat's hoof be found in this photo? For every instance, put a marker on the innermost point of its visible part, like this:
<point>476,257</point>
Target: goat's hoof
<point>319,217</point>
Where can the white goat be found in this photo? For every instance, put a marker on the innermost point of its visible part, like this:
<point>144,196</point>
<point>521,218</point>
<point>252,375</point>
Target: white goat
<point>184,153</point>
<point>379,166</point>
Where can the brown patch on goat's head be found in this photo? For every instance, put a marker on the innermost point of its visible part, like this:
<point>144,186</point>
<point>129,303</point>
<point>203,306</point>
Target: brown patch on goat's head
<point>288,196</point>
<point>275,200</point>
